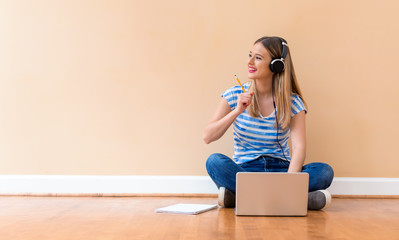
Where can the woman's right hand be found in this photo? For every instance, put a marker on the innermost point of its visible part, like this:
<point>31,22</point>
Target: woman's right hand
<point>224,117</point>
<point>243,101</point>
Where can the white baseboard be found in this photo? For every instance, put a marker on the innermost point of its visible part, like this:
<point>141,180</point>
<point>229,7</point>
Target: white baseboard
<point>72,184</point>
<point>364,186</point>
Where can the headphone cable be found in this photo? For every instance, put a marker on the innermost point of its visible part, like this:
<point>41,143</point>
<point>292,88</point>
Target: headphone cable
<point>275,110</point>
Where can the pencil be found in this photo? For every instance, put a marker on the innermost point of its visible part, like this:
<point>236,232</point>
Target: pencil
<point>240,85</point>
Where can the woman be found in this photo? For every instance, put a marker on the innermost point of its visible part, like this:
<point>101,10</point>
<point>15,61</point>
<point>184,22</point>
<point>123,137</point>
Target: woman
<point>270,111</point>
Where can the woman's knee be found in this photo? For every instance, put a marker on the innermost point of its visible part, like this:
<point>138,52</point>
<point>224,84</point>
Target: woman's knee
<point>326,174</point>
<point>215,160</point>
<point>322,174</point>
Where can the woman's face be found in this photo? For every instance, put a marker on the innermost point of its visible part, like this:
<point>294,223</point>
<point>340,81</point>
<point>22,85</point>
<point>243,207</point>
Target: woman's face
<point>258,62</point>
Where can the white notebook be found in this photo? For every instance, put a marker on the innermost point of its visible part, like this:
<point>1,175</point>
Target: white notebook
<point>187,208</point>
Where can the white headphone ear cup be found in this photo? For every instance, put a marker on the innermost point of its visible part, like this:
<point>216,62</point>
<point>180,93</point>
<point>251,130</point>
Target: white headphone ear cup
<point>277,66</point>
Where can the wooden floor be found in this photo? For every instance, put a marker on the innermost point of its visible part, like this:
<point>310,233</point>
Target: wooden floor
<point>120,218</point>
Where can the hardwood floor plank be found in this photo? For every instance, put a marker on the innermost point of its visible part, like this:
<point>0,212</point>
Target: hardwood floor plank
<point>134,218</point>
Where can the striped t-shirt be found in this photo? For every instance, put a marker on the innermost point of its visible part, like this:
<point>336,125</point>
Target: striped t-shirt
<point>254,137</point>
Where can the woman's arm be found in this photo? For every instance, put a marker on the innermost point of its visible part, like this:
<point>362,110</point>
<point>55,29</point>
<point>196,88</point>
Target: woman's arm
<point>220,122</point>
<point>224,117</point>
<point>298,142</point>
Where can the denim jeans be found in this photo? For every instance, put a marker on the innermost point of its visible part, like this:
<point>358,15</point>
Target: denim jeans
<point>223,170</point>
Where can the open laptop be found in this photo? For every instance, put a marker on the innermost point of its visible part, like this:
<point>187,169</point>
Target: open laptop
<point>272,193</point>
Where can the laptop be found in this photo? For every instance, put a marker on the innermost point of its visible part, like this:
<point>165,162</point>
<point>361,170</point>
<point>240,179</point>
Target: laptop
<point>272,194</point>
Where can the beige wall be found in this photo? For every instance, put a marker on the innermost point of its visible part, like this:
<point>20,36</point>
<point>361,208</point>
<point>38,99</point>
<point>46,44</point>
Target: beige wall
<point>126,87</point>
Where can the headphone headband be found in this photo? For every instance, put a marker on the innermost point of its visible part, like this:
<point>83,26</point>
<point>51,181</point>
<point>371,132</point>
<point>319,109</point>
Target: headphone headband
<point>284,51</point>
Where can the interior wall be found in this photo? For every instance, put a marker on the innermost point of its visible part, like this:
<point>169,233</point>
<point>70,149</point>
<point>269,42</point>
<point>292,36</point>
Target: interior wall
<point>126,87</point>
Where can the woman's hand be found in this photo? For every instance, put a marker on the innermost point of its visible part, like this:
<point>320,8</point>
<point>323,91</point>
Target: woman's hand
<point>243,101</point>
<point>224,117</point>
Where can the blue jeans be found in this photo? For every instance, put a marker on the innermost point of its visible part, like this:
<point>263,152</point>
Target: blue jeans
<point>223,170</point>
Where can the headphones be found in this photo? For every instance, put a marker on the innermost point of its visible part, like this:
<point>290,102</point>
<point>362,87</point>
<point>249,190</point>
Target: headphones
<point>277,65</point>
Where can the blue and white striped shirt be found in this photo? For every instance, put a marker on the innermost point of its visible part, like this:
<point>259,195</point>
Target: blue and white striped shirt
<point>254,137</point>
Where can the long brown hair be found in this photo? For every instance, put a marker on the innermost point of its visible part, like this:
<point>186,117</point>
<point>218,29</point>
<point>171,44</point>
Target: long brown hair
<point>284,84</point>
